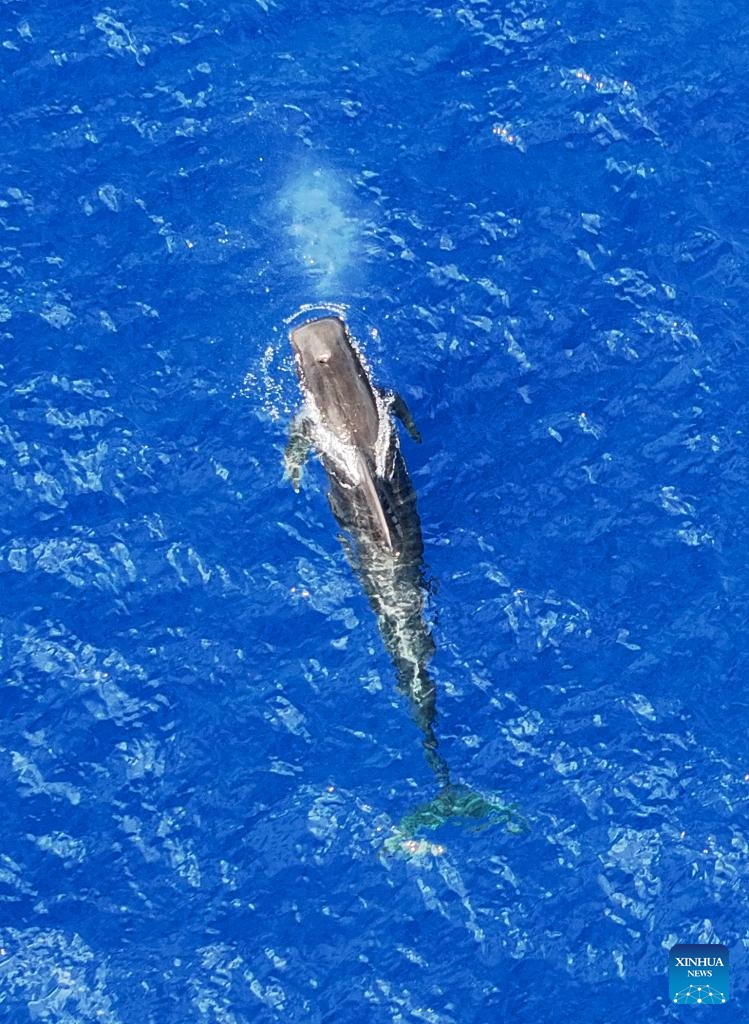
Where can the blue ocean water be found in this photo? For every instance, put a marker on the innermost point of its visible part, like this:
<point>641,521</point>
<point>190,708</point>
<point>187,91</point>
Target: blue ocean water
<point>534,217</point>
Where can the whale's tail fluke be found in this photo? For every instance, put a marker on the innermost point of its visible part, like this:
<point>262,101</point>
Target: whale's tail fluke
<point>455,804</point>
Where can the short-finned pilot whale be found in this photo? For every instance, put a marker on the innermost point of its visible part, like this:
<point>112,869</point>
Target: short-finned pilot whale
<point>348,421</point>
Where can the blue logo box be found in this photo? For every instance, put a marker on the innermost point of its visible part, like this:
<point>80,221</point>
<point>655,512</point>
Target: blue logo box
<point>698,974</point>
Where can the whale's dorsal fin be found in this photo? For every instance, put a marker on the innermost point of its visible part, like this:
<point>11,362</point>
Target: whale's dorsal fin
<point>374,503</point>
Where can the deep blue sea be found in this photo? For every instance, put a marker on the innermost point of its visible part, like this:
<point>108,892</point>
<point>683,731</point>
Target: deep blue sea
<point>534,217</point>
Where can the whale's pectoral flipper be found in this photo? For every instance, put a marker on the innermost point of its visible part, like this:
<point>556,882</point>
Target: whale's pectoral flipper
<point>401,410</point>
<point>297,449</point>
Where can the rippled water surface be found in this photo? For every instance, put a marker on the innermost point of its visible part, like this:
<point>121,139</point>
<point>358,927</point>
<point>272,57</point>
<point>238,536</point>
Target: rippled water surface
<point>534,217</point>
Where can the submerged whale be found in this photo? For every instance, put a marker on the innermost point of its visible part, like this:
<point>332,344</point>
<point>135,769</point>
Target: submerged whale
<point>349,422</point>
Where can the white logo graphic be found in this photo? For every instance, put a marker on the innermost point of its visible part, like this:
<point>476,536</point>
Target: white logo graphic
<point>699,994</point>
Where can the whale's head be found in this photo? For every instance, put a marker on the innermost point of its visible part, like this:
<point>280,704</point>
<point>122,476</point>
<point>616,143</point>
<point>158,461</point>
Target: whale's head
<point>321,347</point>
<point>334,380</point>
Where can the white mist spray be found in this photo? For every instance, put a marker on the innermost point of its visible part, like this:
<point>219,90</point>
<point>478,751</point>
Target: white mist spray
<point>324,235</point>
